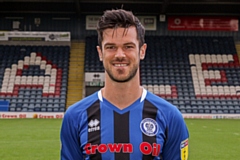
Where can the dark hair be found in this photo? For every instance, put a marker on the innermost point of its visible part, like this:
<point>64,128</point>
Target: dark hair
<point>119,18</point>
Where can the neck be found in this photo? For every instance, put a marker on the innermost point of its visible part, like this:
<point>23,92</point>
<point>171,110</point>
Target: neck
<point>122,95</point>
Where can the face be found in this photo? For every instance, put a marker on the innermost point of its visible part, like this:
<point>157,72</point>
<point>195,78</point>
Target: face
<point>121,54</point>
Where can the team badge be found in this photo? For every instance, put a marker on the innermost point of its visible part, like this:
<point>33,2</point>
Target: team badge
<point>149,127</point>
<point>184,149</point>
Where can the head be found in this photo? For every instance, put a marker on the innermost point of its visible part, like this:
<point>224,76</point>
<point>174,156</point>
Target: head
<point>121,44</point>
<point>119,18</point>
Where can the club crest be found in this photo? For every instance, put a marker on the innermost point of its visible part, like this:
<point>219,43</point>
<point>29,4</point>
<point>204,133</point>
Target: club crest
<point>149,127</point>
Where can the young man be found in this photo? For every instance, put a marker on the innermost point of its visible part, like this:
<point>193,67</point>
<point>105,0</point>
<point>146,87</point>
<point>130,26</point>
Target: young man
<point>123,121</point>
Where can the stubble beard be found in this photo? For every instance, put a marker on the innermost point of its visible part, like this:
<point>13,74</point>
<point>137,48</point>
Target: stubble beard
<point>130,76</point>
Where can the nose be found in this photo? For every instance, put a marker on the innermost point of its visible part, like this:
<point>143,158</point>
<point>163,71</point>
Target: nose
<point>120,53</point>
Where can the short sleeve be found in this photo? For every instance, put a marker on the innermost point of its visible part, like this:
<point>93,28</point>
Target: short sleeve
<point>70,143</point>
<point>176,146</point>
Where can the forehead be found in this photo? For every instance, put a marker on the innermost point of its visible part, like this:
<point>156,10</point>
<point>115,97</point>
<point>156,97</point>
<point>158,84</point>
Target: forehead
<point>120,34</point>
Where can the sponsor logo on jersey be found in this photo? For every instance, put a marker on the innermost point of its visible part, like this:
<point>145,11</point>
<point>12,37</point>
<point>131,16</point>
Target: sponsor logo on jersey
<point>184,149</point>
<point>145,148</point>
<point>149,127</point>
<point>93,125</point>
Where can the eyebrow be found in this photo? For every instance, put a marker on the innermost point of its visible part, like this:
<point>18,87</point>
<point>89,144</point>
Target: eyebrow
<point>109,44</point>
<point>125,44</point>
<point>129,43</point>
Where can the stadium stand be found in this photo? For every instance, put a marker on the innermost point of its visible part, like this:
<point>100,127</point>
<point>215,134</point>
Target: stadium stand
<point>34,78</point>
<point>197,74</point>
<point>91,61</point>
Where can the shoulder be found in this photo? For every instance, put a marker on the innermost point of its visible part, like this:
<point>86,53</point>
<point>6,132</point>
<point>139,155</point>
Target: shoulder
<point>79,107</point>
<point>165,108</point>
<point>160,103</point>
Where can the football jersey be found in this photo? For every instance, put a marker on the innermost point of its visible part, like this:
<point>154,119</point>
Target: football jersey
<point>149,129</point>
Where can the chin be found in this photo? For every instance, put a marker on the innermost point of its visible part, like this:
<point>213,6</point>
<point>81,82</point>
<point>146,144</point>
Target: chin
<point>122,79</point>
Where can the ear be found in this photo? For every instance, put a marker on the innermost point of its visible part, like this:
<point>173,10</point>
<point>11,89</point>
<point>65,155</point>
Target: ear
<point>99,53</point>
<point>143,51</point>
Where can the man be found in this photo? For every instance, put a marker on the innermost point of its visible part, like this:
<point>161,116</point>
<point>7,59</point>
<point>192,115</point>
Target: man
<point>123,121</point>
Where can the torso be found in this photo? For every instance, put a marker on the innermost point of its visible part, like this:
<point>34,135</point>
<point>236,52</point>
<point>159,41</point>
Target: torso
<point>138,134</point>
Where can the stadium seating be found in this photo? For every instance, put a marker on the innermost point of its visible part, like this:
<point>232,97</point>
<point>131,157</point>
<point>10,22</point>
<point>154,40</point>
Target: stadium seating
<point>91,61</point>
<point>197,74</point>
<point>34,78</point>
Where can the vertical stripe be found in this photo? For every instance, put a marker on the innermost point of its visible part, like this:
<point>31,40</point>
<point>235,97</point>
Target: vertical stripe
<point>107,127</point>
<point>135,131</point>
<point>94,135</point>
<point>121,133</point>
<point>149,111</point>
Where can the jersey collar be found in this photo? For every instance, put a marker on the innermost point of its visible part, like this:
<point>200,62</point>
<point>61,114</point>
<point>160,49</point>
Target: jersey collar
<point>144,93</point>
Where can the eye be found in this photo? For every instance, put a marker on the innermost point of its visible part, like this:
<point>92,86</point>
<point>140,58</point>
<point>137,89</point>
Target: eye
<point>129,46</point>
<point>110,47</point>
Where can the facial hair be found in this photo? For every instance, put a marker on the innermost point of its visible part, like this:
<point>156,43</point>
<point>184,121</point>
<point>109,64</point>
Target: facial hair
<point>131,74</point>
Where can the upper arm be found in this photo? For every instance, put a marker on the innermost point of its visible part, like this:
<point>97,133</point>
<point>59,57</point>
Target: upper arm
<point>70,143</point>
<point>176,146</point>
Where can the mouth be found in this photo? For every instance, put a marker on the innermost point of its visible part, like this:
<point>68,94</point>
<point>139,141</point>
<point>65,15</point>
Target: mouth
<point>120,65</point>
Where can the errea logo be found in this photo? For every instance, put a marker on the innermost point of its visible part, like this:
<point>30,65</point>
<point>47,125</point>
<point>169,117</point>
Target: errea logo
<point>93,125</point>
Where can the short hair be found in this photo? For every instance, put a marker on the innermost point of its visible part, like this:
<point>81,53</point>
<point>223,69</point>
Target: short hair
<point>119,18</point>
